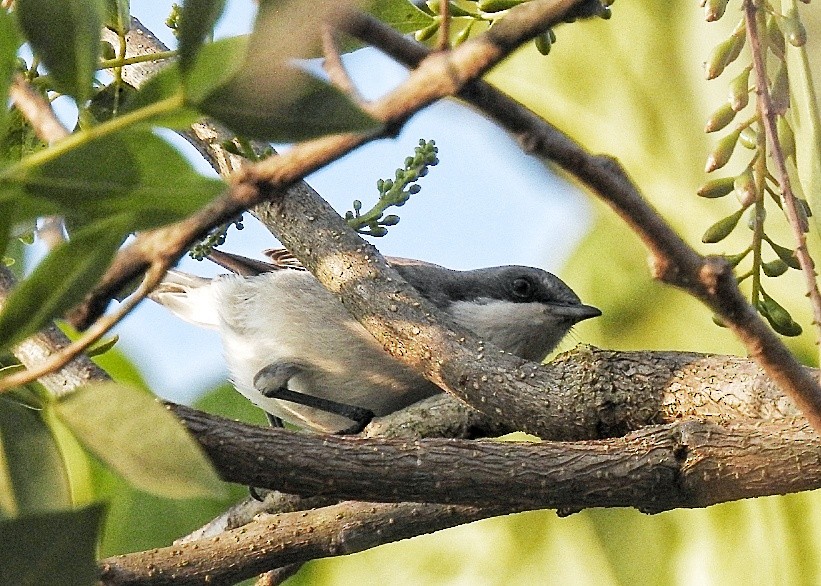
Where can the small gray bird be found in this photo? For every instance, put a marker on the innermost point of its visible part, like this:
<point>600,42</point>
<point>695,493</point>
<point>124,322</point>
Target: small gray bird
<point>295,351</point>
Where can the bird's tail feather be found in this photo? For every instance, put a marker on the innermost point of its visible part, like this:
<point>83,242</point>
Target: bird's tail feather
<point>188,297</point>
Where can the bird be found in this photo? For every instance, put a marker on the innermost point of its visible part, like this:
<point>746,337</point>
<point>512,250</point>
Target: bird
<point>295,351</point>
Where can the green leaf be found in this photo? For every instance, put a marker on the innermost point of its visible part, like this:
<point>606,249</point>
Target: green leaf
<point>57,547</point>
<point>18,139</point>
<point>196,23</point>
<point>305,108</point>
<point>401,15</point>
<point>118,15</point>
<point>136,436</point>
<point>61,280</point>
<point>65,34</point>
<point>120,174</point>
<point>215,65</point>
<point>805,121</point>
<point>33,478</point>
<point>102,105</point>
<point>246,84</point>
<point>166,85</point>
<point>9,43</point>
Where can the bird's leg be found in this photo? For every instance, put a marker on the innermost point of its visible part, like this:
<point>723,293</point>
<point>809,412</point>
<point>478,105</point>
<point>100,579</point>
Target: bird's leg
<point>272,382</point>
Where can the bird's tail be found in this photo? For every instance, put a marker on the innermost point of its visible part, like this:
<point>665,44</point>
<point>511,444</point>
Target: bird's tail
<point>188,297</point>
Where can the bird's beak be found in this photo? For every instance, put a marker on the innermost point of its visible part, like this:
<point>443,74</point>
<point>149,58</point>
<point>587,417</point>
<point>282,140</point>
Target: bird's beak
<point>576,313</point>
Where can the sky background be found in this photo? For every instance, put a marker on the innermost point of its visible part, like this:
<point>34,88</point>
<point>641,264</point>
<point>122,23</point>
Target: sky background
<point>485,204</point>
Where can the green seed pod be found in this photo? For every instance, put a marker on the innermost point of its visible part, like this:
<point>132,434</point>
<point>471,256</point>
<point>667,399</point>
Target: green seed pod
<point>720,118</point>
<point>785,254</point>
<point>745,189</point>
<point>453,9</point>
<point>107,50</point>
<point>716,188</point>
<point>717,321</point>
<point>780,91</point>
<point>543,43</point>
<point>357,205</point>
<point>739,95</point>
<point>390,220</point>
<point>786,138</point>
<point>723,54</point>
<point>774,268</point>
<point>714,9</point>
<point>734,259</point>
<point>722,152</point>
<point>721,229</point>
<point>497,5</point>
<point>775,36</point>
<point>378,231</point>
<point>463,34</point>
<point>748,138</point>
<point>794,30</point>
<point>427,32</point>
<point>779,318</point>
<point>806,206</point>
<point>754,214</point>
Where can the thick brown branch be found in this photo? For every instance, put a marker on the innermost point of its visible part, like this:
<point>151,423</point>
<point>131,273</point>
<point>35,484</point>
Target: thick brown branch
<point>683,464</point>
<point>282,540</point>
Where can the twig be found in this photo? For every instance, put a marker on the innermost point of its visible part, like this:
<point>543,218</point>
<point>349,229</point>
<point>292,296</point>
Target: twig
<point>444,27</point>
<point>334,66</point>
<point>768,121</point>
<point>36,110</point>
<point>341,529</point>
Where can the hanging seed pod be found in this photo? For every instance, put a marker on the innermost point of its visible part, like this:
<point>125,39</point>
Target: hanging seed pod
<point>427,32</point>
<point>717,321</point>
<point>463,34</point>
<point>774,268</point>
<point>723,54</point>
<point>780,91</point>
<point>734,259</point>
<point>716,188</point>
<point>721,229</point>
<point>739,95</point>
<point>543,43</point>
<point>779,318</point>
<point>785,254</point>
<point>497,5</point>
<point>794,30</point>
<point>805,205</point>
<point>745,189</point>
<point>722,152</point>
<point>714,9</point>
<point>775,36</point>
<point>786,138</point>
<point>720,118</point>
<point>748,138</point>
<point>756,215</point>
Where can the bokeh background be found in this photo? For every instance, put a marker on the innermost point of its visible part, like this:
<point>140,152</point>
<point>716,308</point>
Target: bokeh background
<point>632,87</point>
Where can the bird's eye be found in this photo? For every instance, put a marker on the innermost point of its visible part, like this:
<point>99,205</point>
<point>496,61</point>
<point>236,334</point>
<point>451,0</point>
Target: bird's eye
<point>523,288</point>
